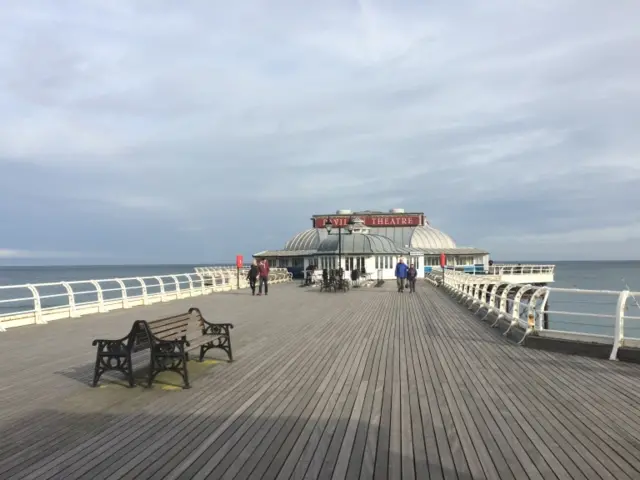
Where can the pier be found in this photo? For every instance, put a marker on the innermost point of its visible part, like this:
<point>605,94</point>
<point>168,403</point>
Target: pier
<point>368,384</point>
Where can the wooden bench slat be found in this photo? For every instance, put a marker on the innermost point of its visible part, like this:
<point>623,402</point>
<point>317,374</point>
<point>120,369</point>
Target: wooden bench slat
<point>170,331</point>
<point>170,318</point>
<point>168,321</point>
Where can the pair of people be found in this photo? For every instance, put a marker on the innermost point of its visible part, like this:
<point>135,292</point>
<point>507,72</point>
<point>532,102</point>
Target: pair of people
<point>259,271</point>
<point>406,275</point>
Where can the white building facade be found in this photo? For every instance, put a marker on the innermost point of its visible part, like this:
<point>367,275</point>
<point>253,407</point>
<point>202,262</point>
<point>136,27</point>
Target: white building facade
<point>373,241</point>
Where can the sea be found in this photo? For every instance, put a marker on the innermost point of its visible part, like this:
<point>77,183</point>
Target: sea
<point>15,296</point>
<point>580,312</point>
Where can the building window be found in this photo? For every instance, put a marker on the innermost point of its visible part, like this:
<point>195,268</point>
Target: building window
<point>465,260</point>
<point>432,260</point>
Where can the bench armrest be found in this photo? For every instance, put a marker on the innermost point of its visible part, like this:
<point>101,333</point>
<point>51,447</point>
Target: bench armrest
<point>110,345</point>
<point>220,329</point>
<point>210,327</point>
<point>221,325</point>
<point>108,340</point>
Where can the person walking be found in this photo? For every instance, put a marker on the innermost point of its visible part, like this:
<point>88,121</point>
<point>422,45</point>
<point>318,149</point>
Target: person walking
<point>401,274</point>
<point>412,274</point>
<point>263,271</point>
<point>252,276</point>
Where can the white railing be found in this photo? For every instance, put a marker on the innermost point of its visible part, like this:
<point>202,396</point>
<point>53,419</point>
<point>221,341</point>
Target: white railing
<point>593,316</point>
<point>517,269</point>
<point>40,303</point>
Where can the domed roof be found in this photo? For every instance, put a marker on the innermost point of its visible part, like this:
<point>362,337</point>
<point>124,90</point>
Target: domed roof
<point>381,239</point>
<point>429,237</point>
<point>360,243</point>
<point>306,240</point>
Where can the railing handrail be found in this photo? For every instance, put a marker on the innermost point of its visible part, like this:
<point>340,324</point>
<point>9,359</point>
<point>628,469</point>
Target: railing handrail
<point>513,301</point>
<point>171,286</point>
<point>513,268</point>
<point>115,279</point>
<point>499,269</point>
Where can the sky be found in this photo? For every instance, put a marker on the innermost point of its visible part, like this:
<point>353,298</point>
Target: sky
<point>158,131</point>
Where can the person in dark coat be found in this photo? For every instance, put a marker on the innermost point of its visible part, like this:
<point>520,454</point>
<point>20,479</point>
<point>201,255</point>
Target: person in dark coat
<point>401,274</point>
<point>252,276</point>
<point>263,273</point>
<point>412,274</point>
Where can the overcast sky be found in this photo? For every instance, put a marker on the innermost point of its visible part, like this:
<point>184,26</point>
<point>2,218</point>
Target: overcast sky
<point>188,131</point>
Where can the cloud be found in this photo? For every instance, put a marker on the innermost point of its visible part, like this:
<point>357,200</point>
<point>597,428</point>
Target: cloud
<point>192,131</point>
<point>8,253</point>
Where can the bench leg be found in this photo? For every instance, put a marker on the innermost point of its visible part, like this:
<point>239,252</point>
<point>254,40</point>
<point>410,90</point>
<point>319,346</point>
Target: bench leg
<point>152,370</point>
<point>121,363</point>
<point>96,372</point>
<point>162,363</point>
<point>185,374</point>
<point>132,382</point>
<point>223,343</point>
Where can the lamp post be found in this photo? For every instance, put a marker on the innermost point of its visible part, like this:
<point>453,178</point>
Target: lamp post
<point>329,226</point>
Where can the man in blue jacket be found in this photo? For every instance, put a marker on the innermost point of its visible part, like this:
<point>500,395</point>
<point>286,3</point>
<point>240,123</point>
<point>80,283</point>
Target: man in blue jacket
<point>401,274</point>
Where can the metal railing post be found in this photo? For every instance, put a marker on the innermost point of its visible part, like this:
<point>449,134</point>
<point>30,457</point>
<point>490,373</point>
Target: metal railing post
<point>618,335</point>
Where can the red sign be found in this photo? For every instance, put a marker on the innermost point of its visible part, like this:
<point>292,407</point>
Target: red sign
<point>239,261</point>
<point>443,260</point>
<point>373,220</point>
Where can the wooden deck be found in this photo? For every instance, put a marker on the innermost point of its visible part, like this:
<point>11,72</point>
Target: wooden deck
<point>369,384</point>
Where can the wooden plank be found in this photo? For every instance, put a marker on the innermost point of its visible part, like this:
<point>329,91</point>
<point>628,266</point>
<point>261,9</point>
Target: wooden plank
<point>288,451</point>
<point>369,456</point>
<point>340,320</point>
<point>581,427</point>
<point>151,465</point>
<point>354,453</point>
<point>236,413</point>
<point>466,398</point>
<point>227,388</point>
<point>450,457</point>
<point>537,437</point>
<point>273,437</point>
<point>341,423</point>
<point>371,384</point>
<point>313,455</point>
<point>337,428</point>
<point>417,401</point>
<point>304,448</point>
<point>584,461</point>
<point>382,446</point>
<point>406,395</point>
<point>394,469</point>
<point>576,432</point>
<point>495,431</point>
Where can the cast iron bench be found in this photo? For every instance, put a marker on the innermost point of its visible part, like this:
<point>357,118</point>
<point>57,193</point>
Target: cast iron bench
<point>168,339</point>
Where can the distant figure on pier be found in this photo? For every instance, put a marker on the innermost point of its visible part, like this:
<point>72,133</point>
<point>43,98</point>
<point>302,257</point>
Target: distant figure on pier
<point>252,276</point>
<point>401,274</point>
<point>412,274</point>
<point>263,269</point>
<point>308,276</point>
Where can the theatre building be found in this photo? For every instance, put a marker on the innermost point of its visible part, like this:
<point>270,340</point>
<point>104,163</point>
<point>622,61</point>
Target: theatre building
<point>375,241</point>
